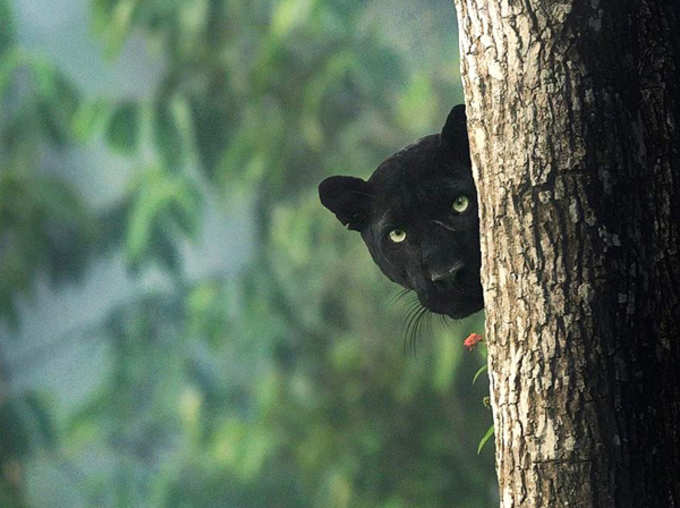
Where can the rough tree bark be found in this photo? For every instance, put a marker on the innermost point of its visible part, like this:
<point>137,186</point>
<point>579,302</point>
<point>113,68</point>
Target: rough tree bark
<point>574,121</point>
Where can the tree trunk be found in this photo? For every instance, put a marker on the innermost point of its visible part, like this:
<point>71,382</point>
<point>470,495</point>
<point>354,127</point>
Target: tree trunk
<point>574,121</point>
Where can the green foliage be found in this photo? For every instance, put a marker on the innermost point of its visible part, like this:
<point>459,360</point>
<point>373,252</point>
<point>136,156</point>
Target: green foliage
<point>285,384</point>
<point>164,207</point>
<point>44,224</point>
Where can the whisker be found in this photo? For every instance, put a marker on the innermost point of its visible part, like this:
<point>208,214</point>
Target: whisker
<point>424,324</point>
<point>398,296</point>
<point>411,317</point>
<point>414,322</point>
<point>412,306</point>
<point>411,313</point>
<point>428,323</point>
<point>446,320</point>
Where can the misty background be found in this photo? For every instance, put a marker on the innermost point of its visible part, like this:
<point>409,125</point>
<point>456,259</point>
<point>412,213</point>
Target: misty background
<point>182,323</point>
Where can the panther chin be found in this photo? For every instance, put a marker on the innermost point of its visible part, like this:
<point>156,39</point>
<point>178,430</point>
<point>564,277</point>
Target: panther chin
<point>456,301</point>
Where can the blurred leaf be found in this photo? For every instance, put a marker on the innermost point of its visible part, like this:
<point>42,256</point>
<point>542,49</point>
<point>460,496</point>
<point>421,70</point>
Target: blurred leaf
<point>89,118</point>
<point>6,26</point>
<point>484,439</point>
<point>339,490</point>
<point>113,18</point>
<point>42,103</point>
<point>192,20</point>
<point>26,425</point>
<point>242,447</point>
<point>167,135</point>
<point>163,248</point>
<point>207,312</point>
<point>89,413</point>
<point>164,205</point>
<point>210,141</point>
<point>45,227</point>
<point>207,380</point>
<point>68,229</point>
<point>123,129</point>
<point>111,225</point>
<point>288,14</point>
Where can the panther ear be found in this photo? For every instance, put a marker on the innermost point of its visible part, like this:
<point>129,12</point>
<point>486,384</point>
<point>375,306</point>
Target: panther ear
<point>454,134</point>
<point>348,198</point>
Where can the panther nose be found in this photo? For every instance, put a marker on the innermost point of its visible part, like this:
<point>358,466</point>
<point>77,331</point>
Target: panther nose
<point>447,274</point>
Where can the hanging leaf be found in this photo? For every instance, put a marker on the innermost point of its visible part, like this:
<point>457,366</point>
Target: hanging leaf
<point>123,129</point>
<point>113,18</point>
<point>111,224</point>
<point>67,228</point>
<point>484,439</point>
<point>150,198</point>
<point>167,135</point>
<point>57,103</point>
<point>211,128</point>
<point>165,208</point>
<point>482,369</point>
<point>164,248</point>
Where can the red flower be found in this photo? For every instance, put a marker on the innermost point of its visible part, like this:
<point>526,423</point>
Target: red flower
<point>472,339</point>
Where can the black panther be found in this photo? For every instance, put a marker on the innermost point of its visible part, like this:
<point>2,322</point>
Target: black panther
<point>417,214</point>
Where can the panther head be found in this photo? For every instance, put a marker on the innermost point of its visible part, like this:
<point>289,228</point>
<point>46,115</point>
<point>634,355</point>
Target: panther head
<point>417,214</point>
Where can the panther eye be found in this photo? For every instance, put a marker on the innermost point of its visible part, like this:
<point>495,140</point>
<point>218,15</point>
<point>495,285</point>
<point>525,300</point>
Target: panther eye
<point>460,204</point>
<point>397,235</point>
